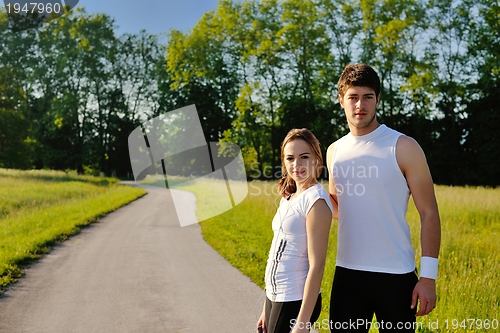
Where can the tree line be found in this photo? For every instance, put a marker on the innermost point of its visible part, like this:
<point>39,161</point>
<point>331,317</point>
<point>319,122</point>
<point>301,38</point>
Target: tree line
<point>72,90</point>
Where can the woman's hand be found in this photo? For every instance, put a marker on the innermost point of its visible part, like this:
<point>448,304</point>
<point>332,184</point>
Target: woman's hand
<point>262,322</point>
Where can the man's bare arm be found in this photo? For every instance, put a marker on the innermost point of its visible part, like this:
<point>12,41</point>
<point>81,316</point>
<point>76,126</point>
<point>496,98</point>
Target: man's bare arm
<point>413,164</point>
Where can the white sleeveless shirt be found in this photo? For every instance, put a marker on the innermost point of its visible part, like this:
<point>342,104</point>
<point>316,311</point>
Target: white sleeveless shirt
<point>373,234</point>
<point>288,262</point>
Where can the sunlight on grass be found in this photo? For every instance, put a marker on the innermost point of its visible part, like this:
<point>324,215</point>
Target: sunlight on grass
<point>468,283</point>
<point>213,196</point>
<point>39,208</point>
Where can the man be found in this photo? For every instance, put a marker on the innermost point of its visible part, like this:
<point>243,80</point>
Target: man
<point>373,170</point>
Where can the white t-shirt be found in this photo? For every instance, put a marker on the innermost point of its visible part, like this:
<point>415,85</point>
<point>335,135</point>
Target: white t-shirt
<point>373,199</point>
<point>288,263</point>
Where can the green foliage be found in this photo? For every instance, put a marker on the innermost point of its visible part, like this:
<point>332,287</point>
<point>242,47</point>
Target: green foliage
<point>15,144</point>
<point>81,91</point>
<point>40,208</point>
<point>72,90</point>
<point>283,57</point>
<point>469,261</point>
<point>203,67</point>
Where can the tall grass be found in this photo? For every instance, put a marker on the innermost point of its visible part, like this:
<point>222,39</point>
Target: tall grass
<point>469,279</point>
<point>468,285</point>
<point>39,208</point>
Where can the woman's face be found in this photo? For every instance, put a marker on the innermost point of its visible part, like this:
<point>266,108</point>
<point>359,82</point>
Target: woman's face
<point>300,162</point>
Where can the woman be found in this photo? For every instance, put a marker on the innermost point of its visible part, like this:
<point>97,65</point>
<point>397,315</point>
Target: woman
<point>298,251</point>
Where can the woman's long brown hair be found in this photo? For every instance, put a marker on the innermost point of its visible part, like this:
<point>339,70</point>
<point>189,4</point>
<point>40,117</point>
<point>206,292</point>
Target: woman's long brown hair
<point>287,185</point>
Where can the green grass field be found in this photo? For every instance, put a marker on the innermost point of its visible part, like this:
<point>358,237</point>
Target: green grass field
<point>468,285</point>
<point>40,208</point>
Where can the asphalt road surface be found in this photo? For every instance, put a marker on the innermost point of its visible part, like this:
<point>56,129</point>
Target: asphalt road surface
<point>138,271</point>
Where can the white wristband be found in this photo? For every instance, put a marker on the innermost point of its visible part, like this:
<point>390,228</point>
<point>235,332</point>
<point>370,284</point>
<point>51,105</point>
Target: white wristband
<point>429,267</point>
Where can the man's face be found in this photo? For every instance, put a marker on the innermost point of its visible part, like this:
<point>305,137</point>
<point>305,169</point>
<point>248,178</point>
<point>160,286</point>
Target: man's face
<point>359,104</point>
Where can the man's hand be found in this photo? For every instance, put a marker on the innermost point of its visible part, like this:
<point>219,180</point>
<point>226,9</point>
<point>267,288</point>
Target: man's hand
<point>425,291</point>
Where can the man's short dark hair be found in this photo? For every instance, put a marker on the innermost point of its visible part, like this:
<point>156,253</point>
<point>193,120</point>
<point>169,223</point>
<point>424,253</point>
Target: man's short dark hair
<point>358,75</point>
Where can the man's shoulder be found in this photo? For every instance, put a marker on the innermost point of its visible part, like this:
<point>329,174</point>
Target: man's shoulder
<point>332,145</point>
<point>405,141</point>
<point>390,130</point>
<point>408,153</point>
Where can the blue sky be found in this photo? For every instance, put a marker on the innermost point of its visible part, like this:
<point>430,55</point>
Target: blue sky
<point>155,16</point>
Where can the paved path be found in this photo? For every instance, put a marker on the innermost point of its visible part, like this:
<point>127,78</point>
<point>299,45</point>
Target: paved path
<point>135,271</point>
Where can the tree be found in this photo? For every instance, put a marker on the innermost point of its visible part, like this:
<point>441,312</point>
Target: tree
<point>482,136</point>
<point>258,103</point>
<point>391,34</point>
<point>16,145</point>
<point>71,90</point>
<point>449,28</point>
<point>86,90</point>
<point>204,71</point>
